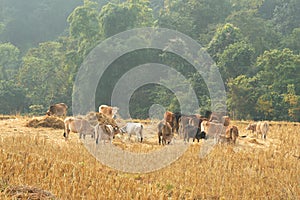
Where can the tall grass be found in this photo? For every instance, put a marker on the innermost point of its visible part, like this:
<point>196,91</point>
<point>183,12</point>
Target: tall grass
<point>42,159</point>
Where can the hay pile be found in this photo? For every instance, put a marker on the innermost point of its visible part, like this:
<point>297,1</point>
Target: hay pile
<point>95,117</point>
<point>28,192</point>
<point>51,122</point>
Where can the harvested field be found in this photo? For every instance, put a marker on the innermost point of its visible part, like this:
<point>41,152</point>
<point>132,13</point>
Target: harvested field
<point>40,160</point>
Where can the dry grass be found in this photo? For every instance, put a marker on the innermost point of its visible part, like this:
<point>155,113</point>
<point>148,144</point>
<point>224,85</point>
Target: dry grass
<point>40,158</point>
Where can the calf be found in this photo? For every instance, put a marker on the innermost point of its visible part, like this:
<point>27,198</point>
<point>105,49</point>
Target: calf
<point>165,134</point>
<point>77,125</point>
<point>133,128</point>
<point>105,132</point>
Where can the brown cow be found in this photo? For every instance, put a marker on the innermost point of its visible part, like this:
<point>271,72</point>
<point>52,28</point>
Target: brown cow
<point>59,109</point>
<point>232,133</point>
<point>173,120</point>
<point>165,134</point>
<point>108,111</point>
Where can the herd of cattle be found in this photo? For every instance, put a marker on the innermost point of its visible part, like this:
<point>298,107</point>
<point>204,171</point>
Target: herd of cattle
<point>197,127</point>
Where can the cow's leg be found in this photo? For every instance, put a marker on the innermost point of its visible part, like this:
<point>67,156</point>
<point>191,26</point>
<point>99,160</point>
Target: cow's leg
<point>97,138</point>
<point>159,138</point>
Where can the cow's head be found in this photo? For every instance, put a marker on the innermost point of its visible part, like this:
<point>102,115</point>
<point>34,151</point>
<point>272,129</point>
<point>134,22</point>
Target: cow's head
<point>48,113</point>
<point>251,127</point>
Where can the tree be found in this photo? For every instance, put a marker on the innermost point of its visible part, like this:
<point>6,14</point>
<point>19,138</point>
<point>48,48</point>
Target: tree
<point>43,75</point>
<point>10,61</point>
<point>195,18</point>
<point>242,97</point>
<point>116,18</point>
<point>279,68</point>
<point>224,36</point>
<point>256,31</point>
<point>236,59</point>
<point>85,27</point>
<point>31,22</point>
<point>286,16</point>
<point>12,97</point>
<point>292,41</point>
<point>293,102</point>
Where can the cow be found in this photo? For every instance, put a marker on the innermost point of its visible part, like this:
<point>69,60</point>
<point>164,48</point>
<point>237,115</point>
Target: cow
<point>108,111</point>
<point>133,128</point>
<point>213,129</point>
<point>194,132</point>
<point>218,117</point>
<point>261,127</point>
<point>194,120</point>
<point>173,120</point>
<point>165,134</point>
<point>105,132</point>
<point>232,133</point>
<point>183,122</point>
<point>59,109</point>
<point>78,125</point>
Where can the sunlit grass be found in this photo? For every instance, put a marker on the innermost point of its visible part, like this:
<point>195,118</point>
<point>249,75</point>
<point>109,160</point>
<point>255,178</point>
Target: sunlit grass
<point>40,157</point>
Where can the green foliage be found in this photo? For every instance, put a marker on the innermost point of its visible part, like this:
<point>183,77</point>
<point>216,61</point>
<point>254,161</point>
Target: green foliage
<point>257,31</point>
<point>286,16</point>
<point>36,109</point>
<point>236,60</point>
<point>84,21</point>
<point>116,18</point>
<point>254,43</point>
<point>279,68</point>
<point>292,41</point>
<point>293,102</point>
<point>224,36</point>
<point>27,23</point>
<point>242,97</point>
<point>12,97</point>
<point>43,74</point>
<point>10,61</point>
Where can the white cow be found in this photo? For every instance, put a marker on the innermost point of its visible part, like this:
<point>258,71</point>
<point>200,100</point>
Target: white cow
<point>133,128</point>
<point>105,132</point>
<point>78,125</point>
<point>261,127</point>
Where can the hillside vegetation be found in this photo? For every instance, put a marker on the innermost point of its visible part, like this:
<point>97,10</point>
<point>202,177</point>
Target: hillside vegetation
<point>255,45</point>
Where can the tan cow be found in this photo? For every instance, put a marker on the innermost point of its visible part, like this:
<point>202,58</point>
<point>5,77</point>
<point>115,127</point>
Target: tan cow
<point>108,111</point>
<point>78,125</point>
<point>213,129</point>
<point>59,109</point>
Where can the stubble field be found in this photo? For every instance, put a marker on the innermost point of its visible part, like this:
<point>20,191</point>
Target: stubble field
<point>39,162</point>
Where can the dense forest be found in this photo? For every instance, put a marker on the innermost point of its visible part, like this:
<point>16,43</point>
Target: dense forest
<point>255,45</point>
